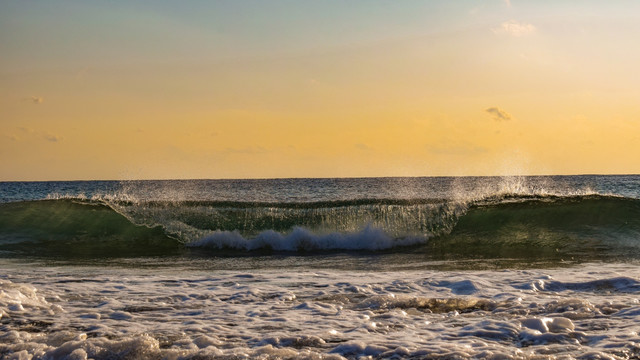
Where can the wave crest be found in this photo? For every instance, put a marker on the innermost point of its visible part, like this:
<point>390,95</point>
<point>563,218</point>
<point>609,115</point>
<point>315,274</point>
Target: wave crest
<point>490,227</point>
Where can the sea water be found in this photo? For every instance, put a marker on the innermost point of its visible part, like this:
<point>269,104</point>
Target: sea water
<point>472,267</point>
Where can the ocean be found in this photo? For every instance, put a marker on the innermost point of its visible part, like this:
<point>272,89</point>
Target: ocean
<point>372,268</point>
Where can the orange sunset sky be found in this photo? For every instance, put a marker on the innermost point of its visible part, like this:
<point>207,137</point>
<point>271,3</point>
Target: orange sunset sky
<point>263,89</point>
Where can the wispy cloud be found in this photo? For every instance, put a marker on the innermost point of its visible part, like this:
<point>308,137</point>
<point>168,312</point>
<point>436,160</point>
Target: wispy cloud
<point>498,114</point>
<point>508,3</point>
<point>37,134</point>
<point>51,138</point>
<point>515,28</point>
<point>36,100</point>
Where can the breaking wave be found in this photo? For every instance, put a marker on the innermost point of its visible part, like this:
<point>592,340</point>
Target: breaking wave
<point>494,226</point>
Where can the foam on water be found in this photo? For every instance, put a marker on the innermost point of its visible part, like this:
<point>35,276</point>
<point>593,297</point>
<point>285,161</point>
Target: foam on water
<point>589,311</point>
<point>303,240</point>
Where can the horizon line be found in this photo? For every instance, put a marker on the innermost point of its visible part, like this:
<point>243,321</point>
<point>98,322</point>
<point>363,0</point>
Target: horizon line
<point>325,178</point>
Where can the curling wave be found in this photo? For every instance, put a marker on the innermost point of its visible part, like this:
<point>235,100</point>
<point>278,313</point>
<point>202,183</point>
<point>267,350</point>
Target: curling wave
<point>498,226</point>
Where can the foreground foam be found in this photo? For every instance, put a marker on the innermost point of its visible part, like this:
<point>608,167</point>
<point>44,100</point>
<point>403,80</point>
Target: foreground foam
<point>82,313</point>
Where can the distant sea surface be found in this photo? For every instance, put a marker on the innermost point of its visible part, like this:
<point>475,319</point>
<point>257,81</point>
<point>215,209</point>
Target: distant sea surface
<point>446,267</point>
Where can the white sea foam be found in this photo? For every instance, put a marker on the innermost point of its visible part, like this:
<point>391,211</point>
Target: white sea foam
<point>301,239</point>
<point>587,311</point>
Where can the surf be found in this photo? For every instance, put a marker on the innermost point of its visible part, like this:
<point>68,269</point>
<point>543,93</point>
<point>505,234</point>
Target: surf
<point>503,225</point>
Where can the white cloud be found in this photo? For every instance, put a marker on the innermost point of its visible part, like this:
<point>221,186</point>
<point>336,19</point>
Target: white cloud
<point>515,28</point>
<point>508,3</point>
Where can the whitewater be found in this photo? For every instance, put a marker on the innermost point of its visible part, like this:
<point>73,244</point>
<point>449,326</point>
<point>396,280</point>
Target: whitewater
<point>424,268</point>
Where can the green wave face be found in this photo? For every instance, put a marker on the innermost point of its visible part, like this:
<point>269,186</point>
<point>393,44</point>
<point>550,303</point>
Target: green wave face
<point>66,228</point>
<point>550,227</point>
<point>582,227</point>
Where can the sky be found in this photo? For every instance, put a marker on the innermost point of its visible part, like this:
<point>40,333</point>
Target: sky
<point>279,89</point>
